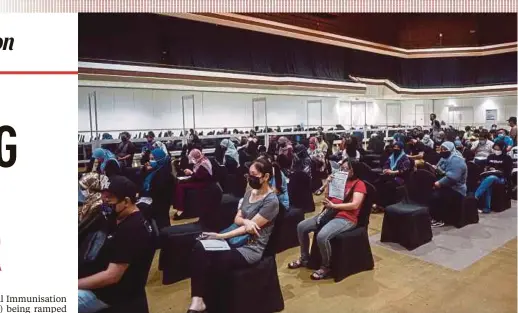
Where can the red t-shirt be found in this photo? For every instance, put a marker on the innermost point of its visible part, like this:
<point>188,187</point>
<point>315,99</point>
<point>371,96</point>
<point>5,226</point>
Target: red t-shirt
<point>351,215</point>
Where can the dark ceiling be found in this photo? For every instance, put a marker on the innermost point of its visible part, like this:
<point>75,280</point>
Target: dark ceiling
<point>409,31</point>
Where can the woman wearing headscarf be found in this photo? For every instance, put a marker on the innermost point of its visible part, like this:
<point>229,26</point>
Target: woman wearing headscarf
<point>231,157</point>
<point>157,186</point>
<point>90,184</point>
<point>500,162</point>
<point>316,154</point>
<point>199,177</point>
<point>107,162</point>
<point>301,160</point>
<point>285,153</point>
<point>427,141</point>
<point>450,189</point>
<point>395,171</point>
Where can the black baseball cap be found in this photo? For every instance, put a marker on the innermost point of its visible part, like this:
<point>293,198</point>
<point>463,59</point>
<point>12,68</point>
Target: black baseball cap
<point>512,119</point>
<point>120,187</point>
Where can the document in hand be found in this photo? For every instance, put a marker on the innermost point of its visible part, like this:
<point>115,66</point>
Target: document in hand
<point>337,185</point>
<point>215,245</point>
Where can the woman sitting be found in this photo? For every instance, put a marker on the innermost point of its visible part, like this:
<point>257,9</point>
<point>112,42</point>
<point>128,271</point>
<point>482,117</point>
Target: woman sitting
<point>255,217</point>
<point>350,149</point>
<point>107,162</point>
<point>90,185</point>
<point>500,162</point>
<point>279,182</point>
<point>157,187</point>
<point>301,160</point>
<point>285,153</point>
<point>427,141</point>
<point>395,170</point>
<point>199,177</point>
<point>347,211</point>
<point>450,189</point>
<point>231,156</point>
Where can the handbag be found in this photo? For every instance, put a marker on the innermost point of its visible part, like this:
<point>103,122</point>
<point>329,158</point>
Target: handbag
<point>327,214</point>
<point>241,240</point>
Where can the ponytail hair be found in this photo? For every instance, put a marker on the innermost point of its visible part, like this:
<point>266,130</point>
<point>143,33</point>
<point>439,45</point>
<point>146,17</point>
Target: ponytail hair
<point>277,173</point>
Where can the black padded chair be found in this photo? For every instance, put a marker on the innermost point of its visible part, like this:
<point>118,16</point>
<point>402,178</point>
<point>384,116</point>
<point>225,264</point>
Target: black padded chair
<point>500,200</point>
<point>288,229</point>
<point>299,190</point>
<point>408,222</point>
<point>351,249</point>
<point>465,214</point>
<point>366,173</point>
<point>235,294</point>
<point>473,179</point>
<point>177,241</point>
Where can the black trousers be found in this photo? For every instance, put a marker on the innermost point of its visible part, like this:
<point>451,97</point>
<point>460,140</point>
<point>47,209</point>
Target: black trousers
<point>207,264</point>
<point>443,199</point>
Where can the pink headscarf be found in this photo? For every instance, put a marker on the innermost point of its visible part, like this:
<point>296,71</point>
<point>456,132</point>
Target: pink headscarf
<point>200,160</point>
<point>313,143</point>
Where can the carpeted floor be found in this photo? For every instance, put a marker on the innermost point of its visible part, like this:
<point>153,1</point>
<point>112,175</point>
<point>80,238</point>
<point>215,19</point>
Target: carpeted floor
<point>457,249</point>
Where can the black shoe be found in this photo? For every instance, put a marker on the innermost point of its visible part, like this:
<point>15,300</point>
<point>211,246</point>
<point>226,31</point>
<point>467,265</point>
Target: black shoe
<point>193,311</point>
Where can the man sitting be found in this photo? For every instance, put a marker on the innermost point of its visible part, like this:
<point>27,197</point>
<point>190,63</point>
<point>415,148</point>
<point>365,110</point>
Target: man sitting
<point>128,250</point>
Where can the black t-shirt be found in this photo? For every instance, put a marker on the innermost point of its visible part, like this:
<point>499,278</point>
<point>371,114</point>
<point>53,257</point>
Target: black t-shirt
<point>503,163</point>
<point>131,243</point>
<point>416,148</point>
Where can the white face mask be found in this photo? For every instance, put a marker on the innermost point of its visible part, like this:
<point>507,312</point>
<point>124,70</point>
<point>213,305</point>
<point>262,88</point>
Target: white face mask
<point>497,152</point>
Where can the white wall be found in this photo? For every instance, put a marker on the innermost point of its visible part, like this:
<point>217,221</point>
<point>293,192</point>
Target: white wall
<point>143,109</point>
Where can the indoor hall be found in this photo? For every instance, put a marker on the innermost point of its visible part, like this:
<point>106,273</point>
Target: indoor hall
<point>340,104</point>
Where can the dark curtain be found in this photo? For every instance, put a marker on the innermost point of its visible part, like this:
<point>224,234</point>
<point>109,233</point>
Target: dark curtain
<point>168,41</point>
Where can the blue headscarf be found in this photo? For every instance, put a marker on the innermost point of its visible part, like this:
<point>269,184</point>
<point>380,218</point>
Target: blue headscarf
<point>392,159</point>
<point>105,155</point>
<point>231,150</point>
<point>160,159</point>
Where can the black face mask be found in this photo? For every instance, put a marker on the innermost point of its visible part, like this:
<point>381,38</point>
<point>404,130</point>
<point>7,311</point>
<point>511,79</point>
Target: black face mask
<point>282,145</point>
<point>254,182</point>
<point>445,154</point>
<point>396,152</point>
<point>124,138</point>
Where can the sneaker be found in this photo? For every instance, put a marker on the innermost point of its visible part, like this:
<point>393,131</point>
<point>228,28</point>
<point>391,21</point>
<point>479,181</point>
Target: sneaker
<point>438,224</point>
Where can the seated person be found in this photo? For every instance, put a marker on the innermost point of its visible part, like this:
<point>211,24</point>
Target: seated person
<point>285,148</point>
<point>302,160</point>
<point>316,154</point>
<point>231,156</point>
<point>91,184</point>
<point>482,148</point>
<point>256,215</point>
<point>427,141</point>
<point>278,182</point>
<point>450,189</point>
<point>376,144</point>
<point>395,170</point>
<point>497,161</point>
<point>416,150</point>
<point>129,250</point>
<point>107,162</point>
<point>322,144</point>
<point>503,135</point>
<point>199,177</point>
<point>439,139</point>
<point>155,193</point>
<point>350,149</point>
<point>347,211</point>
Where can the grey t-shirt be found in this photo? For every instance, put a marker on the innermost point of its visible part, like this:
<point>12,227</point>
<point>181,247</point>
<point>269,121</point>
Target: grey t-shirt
<point>268,208</point>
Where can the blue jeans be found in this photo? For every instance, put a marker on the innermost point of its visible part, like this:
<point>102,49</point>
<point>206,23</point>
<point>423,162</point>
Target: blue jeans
<point>485,189</point>
<point>328,232</point>
<point>88,303</point>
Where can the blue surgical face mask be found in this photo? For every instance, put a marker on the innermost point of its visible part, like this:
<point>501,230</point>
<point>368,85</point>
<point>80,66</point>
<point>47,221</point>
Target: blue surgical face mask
<point>501,135</point>
<point>153,163</point>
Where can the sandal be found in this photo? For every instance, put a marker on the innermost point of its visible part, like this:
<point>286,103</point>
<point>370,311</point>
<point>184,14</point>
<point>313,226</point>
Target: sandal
<point>320,274</point>
<point>297,264</point>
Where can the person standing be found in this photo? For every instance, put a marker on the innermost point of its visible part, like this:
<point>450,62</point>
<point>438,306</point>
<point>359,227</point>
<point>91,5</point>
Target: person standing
<point>125,151</point>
